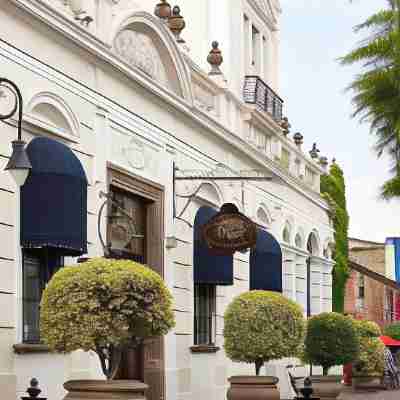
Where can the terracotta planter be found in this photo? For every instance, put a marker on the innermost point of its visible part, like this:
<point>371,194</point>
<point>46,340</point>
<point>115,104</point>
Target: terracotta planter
<point>105,390</point>
<point>327,387</point>
<point>253,388</point>
<point>366,383</point>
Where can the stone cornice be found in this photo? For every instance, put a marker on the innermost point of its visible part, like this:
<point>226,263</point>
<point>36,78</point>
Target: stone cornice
<point>77,34</point>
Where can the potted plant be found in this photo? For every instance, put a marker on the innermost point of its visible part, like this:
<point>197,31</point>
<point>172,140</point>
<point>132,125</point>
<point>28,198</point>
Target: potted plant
<point>261,326</point>
<point>369,366</point>
<point>105,306</point>
<point>331,340</point>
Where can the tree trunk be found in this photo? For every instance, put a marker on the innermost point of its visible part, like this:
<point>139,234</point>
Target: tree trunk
<point>325,371</point>
<point>110,360</point>
<point>259,364</point>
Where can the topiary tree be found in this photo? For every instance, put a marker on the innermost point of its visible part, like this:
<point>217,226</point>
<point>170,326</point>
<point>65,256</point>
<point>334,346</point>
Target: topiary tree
<point>367,329</point>
<point>392,330</point>
<point>370,361</point>
<point>331,340</point>
<point>105,306</point>
<point>261,326</point>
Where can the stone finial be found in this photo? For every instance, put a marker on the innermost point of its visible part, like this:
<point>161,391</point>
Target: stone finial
<point>307,391</point>
<point>215,59</point>
<point>298,139</point>
<point>323,162</point>
<point>314,151</point>
<point>285,125</point>
<point>33,391</point>
<point>177,24</point>
<point>163,10</point>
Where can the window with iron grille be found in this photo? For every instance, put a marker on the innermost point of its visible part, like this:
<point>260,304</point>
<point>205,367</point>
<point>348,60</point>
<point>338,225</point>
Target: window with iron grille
<point>38,267</point>
<point>204,314</point>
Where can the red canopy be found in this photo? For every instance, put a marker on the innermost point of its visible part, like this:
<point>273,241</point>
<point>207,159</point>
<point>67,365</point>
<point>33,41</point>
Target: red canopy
<point>388,341</point>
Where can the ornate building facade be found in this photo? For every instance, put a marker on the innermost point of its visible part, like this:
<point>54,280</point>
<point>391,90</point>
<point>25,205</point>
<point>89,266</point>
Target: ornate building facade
<point>132,97</point>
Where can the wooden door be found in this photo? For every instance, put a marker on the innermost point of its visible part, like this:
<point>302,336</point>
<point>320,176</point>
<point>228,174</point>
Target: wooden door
<point>147,362</point>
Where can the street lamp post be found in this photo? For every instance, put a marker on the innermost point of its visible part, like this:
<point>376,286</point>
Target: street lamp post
<point>18,165</point>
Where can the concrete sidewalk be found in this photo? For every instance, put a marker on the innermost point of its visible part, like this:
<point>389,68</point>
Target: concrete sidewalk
<point>379,395</point>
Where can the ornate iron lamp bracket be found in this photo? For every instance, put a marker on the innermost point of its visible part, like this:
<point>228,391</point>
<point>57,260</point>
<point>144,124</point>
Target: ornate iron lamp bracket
<point>203,179</point>
<point>110,200</point>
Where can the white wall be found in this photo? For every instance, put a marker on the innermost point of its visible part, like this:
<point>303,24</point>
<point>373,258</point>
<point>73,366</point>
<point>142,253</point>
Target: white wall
<point>107,103</point>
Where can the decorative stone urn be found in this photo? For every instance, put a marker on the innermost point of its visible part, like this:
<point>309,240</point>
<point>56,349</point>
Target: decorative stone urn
<point>327,387</point>
<point>177,24</point>
<point>215,59</point>
<point>253,388</point>
<point>105,390</point>
<point>163,10</point>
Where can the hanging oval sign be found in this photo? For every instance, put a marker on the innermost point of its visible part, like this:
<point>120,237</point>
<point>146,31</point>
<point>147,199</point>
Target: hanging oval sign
<point>229,231</point>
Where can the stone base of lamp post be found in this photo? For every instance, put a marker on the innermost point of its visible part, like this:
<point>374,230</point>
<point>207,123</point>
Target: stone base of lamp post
<point>105,390</point>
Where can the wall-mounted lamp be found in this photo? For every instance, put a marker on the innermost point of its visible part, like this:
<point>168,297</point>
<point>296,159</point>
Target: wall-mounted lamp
<point>19,165</point>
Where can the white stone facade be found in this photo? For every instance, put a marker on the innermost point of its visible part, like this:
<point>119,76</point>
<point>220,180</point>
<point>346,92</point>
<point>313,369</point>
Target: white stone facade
<point>120,91</point>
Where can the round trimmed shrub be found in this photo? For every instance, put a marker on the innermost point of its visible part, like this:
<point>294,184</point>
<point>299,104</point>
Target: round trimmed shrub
<point>371,359</point>
<point>367,328</point>
<point>331,340</point>
<point>105,306</point>
<point>392,330</point>
<point>261,326</point>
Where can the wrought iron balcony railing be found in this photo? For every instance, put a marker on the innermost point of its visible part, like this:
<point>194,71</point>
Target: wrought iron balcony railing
<point>257,92</point>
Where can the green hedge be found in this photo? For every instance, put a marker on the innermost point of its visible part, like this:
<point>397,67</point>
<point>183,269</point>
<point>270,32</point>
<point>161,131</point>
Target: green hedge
<point>333,189</point>
<point>393,331</point>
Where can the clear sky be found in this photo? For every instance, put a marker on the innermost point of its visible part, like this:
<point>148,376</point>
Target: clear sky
<point>314,34</point>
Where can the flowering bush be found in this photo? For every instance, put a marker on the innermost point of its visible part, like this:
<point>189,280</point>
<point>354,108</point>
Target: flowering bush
<point>105,306</point>
<point>393,331</point>
<point>331,339</point>
<point>371,359</point>
<point>261,326</point>
<point>367,328</point>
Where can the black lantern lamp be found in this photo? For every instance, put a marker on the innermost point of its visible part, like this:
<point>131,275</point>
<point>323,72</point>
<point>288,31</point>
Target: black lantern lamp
<point>19,165</point>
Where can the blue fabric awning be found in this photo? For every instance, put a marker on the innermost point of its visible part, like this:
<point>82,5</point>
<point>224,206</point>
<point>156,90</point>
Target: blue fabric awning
<point>54,199</point>
<point>266,263</point>
<point>208,268</point>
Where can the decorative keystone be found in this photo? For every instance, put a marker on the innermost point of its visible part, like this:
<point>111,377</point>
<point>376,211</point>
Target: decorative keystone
<point>314,151</point>
<point>215,59</point>
<point>33,391</point>
<point>163,10</point>
<point>285,125</point>
<point>177,24</point>
<point>298,139</point>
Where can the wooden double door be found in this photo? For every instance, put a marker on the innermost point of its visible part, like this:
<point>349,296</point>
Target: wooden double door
<point>139,236</point>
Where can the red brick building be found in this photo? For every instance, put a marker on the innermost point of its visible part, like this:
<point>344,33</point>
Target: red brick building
<point>366,295</point>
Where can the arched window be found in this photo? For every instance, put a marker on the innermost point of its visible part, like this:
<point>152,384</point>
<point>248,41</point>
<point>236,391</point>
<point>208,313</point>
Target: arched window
<point>298,241</point>
<point>49,111</point>
<point>263,217</point>
<point>287,233</point>
<point>313,244</point>
<point>209,270</point>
